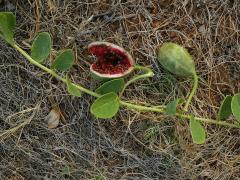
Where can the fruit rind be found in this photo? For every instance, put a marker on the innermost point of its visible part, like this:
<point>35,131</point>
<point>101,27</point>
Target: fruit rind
<point>176,59</point>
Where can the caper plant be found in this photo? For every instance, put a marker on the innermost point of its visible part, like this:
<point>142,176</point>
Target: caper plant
<point>115,61</point>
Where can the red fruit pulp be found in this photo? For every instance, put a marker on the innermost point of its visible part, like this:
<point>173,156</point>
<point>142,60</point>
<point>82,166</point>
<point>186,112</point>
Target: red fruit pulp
<point>110,60</point>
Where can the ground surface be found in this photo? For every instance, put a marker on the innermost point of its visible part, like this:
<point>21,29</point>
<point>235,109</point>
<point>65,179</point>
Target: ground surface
<point>132,145</point>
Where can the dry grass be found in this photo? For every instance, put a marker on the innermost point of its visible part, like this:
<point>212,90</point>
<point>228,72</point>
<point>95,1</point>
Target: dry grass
<point>133,145</point>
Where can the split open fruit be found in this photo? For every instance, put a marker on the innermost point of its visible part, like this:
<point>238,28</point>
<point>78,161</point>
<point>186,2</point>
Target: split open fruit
<point>112,61</point>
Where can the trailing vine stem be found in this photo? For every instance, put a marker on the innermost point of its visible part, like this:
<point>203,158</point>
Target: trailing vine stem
<point>160,109</point>
<point>147,73</point>
<point>195,85</point>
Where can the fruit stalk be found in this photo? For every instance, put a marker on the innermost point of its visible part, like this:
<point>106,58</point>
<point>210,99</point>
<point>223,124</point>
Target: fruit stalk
<point>195,85</point>
<point>147,73</point>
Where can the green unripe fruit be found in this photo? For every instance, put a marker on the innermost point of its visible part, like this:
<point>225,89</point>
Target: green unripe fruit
<point>176,59</point>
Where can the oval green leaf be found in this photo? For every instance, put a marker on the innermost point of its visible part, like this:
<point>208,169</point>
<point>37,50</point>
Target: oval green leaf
<point>64,60</point>
<point>171,107</point>
<point>197,131</point>
<point>176,59</point>
<point>225,109</point>
<point>105,106</point>
<point>72,89</point>
<point>235,105</point>
<point>41,47</point>
<point>7,25</point>
<point>115,85</point>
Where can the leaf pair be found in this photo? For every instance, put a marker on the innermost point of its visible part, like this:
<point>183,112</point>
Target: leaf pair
<point>197,131</point>
<point>230,105</point>
<point>107,105</point>
<point>41,48</point>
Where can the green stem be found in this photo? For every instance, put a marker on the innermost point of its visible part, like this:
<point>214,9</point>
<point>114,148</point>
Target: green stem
<point>195,85</point>
<point>185,116</point>
<point>123,103</point>
<point>210,121</point>
<point>147,73</point>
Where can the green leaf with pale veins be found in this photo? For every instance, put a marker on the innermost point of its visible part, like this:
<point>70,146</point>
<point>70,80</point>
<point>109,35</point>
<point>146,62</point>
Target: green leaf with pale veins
<point>64,61</point>
<point>225,109</point>
<point>197,131</point>
<point>235,105</point>
<point>115,85</point>
<point>41,47</point>
<point>7,25</point>
<point>72,89</point>
<point>105,106</point>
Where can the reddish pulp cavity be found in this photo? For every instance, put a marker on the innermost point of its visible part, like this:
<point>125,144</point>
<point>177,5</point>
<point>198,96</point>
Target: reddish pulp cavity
<point>109,60</point>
